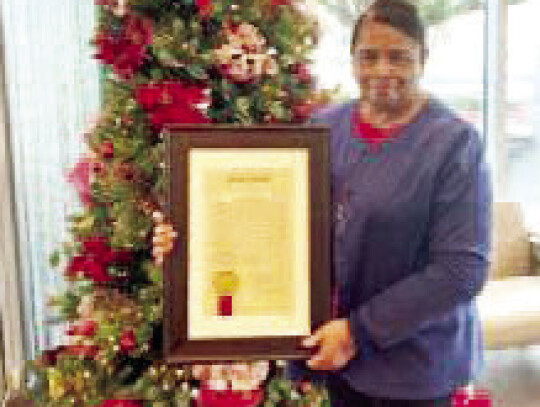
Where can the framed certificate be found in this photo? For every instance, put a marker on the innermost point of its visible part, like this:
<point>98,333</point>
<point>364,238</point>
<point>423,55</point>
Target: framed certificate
<point>249,275</point>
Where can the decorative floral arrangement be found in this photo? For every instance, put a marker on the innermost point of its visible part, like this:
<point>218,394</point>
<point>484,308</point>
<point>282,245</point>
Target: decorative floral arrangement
<point>165,61</point>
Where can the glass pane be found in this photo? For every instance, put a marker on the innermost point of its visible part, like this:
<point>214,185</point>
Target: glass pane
<point>454,70</point>
<point>455,66</point>
<point>522,133</point>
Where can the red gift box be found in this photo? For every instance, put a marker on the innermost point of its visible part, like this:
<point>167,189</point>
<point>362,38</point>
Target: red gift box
<point>229,398</point>
<point>122,403</point>
<point>467,397</point>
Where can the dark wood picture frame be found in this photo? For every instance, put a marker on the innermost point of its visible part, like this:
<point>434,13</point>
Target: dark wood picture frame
<point>179,141</point>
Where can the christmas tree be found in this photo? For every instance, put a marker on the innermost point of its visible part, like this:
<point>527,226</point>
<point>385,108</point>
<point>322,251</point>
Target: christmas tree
<point>164,62</point>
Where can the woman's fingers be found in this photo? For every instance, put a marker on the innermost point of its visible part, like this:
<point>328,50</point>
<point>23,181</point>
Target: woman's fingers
<point>313,340</point>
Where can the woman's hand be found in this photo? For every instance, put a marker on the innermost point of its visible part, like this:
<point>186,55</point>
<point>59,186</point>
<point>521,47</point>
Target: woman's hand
<point>335,345</point>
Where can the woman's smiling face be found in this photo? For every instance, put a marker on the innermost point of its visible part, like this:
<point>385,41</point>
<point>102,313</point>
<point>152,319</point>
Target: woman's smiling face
<point>387,65</point>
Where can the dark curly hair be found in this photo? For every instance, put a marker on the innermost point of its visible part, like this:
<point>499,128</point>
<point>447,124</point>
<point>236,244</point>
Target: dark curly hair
<point>399,14</point>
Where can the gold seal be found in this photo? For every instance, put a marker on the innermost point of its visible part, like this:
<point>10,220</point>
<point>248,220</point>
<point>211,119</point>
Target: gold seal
<point>225,282</point>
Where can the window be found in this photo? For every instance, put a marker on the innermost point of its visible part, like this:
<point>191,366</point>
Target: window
<point>523,109</point>
<point>484,61</point>
<point>52,90</point>
<point>455,67</point>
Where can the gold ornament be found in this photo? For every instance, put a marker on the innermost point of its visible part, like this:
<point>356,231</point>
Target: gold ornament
<point>166,386</point>
<point>179,373</point>
<point>78,382</point>
<point>57,384</point>
<point>153,372</point>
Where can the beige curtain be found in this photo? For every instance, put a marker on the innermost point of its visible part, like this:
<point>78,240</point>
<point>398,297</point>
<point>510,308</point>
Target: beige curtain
<point>52,87</point>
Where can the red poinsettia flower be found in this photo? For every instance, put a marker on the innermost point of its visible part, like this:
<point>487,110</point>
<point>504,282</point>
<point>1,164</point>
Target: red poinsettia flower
<point>106,47</point>
<point>125,51</point>
<point>79,176</point>
<point>89,267</point>
<point>205,7</point>
<point>97,272</point>
<point>138,30</point>
<point>76,266</point>
<point>172,102</point>
<point>96,246</point>
<point>128,341</point>
<point>120,257</point>
<point>95,259</point>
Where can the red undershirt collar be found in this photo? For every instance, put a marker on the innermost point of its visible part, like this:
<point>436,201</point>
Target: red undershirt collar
<point>363,130</point>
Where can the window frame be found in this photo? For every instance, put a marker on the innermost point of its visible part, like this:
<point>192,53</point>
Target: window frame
<point>11,313</point>
<point>495,93</point>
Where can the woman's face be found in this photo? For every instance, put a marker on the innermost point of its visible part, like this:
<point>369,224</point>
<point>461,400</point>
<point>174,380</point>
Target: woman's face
<point>387,65</point>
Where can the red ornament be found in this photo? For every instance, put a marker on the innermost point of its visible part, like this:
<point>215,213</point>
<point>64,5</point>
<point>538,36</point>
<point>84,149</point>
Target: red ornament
<point>107,149</point>
<point>125,51</point>
<point>128,341</point>
<point>302,73</point>
<point>127,120</point>
<point>229,398</point>
<point>205,7</point>
<point>85,328</point>
<point>98,167</point>
<point>125,171</point>
<point>172,102</point>
<point>302,111</point>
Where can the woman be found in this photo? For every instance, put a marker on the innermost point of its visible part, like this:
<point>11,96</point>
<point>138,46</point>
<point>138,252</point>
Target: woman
<point>412,223</point>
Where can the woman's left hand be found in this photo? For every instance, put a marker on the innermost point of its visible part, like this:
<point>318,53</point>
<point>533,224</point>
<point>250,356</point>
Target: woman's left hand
<point>335,345</point>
